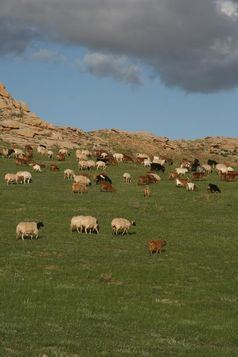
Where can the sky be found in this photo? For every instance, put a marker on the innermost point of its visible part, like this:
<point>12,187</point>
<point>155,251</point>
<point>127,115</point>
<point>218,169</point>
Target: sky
<point>163,66</point>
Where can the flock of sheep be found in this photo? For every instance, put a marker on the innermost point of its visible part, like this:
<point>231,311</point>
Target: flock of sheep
<point>89,224</point>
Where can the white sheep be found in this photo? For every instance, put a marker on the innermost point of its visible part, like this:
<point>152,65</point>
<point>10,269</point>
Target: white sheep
<point>10,178</point>
<point>41,150</point>
<point>36,167</point>
<point>101,165</point>
<point>80,156</point>
<point>88,224</point>
<point>126,177</point>
<point>69,174</point>
<point>118,156</point>
<point>181,170</point>
<point>207,168</point>
<point>28,229</point>
<point>82,179</point>
<point>27,177</point>
<point>18,153</point>
<point>121,225</point>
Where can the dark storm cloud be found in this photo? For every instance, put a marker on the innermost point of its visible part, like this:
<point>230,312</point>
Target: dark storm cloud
<point>189,44</point>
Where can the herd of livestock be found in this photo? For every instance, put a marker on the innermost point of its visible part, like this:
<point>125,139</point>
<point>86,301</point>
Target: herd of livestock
<point>186,175</point>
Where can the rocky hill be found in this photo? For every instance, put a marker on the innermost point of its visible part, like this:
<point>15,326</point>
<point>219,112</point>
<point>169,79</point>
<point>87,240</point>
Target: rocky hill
<point>19,126</point>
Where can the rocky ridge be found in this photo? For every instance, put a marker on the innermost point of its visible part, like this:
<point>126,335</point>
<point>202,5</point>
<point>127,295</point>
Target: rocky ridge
<point>19,126</point>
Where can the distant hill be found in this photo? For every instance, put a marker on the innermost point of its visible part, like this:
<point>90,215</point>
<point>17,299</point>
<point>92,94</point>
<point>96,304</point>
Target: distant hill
<point>19,126</point>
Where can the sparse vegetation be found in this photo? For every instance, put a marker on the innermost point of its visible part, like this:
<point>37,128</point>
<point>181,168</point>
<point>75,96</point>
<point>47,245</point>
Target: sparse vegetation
<point>69,294</point>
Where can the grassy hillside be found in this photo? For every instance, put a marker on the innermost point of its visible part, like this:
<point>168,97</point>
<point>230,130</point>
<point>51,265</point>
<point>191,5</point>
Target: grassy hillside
<point>69,294</point>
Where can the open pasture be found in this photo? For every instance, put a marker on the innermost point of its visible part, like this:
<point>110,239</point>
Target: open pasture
<point>68,294</point>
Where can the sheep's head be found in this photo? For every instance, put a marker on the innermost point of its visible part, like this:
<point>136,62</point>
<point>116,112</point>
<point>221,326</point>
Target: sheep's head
<point>39,225</point>
<point>133,223</point>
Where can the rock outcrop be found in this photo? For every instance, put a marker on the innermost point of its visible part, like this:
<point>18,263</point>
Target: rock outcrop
<point>19,126</point>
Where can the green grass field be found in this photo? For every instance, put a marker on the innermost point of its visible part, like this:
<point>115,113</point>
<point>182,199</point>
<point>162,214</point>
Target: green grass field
<point>57,297</point>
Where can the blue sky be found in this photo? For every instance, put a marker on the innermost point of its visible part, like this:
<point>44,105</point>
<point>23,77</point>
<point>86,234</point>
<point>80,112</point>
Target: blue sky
<point>183,87</point>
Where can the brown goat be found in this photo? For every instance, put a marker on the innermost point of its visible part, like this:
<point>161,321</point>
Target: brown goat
<point>54,167</point>
<point>147,192</point>
<point>156,246</point>
<point>106,187</point>
<point>79,188</point>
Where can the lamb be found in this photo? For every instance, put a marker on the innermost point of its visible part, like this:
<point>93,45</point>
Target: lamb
<point>68,173</point>
<point>121,225</point>
<point>84,223</point>
<point>26,174</point>
<point>126,177</point>
<point>28,229</point>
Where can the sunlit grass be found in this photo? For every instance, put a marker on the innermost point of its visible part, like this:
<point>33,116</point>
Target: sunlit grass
<point>69,294</point>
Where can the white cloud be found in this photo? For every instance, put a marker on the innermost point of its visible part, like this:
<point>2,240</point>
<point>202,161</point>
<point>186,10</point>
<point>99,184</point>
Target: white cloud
<point>108,65</point>
<point>228,8</point>
<point>46,55</point>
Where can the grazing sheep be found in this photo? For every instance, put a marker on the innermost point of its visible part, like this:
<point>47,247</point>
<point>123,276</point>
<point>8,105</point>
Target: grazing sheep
<point>118,156</point>
<point>79,188</point>
<point>82,179</point>
<point>126,177</point>
<point>181,170</point>
<point>26,174</point>
<point>28,229</point>
<point>64,152</point>
<point>11,178</point>
<point>101,165</point>
<point>6,152</point>
<point>18,153</point>
<point>69,174</point>
<point>207,168</point>
<point>121,225</point>
<point>41,150</point>
<point>36,167</point>
<point>88,224</point>
<point>106,187</point>
<point>156,246</point>
<point>156,176</point>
